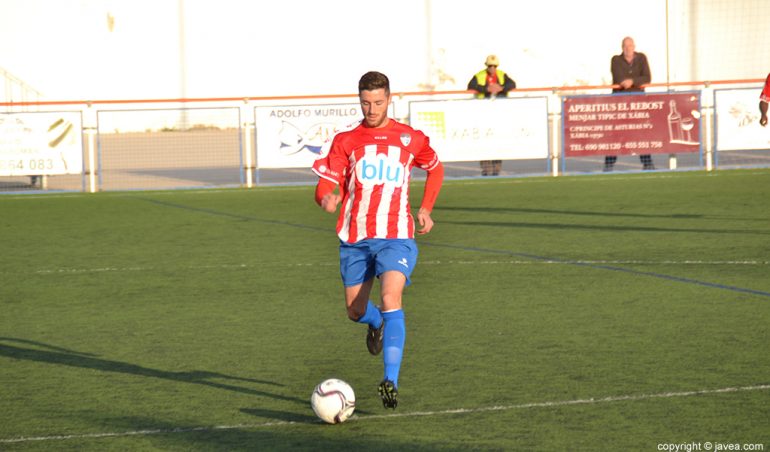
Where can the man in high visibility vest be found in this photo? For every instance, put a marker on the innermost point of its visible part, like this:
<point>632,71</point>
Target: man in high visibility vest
<point>491,82</point>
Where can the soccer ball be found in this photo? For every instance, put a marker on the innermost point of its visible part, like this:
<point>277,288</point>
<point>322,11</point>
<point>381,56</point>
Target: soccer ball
<point>333,401</point>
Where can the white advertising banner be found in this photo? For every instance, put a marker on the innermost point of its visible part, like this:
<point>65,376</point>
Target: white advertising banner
<point>47,143</point>
<point>294,136</point>
<point>737,120</point>
<point>484,129</point>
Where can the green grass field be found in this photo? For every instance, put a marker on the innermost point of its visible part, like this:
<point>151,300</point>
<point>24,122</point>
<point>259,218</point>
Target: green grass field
<point>611,312</point>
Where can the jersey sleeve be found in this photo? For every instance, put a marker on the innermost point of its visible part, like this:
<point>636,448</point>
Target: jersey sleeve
<point>333,166</point>
<point>765,96</point>
<point>426,158</point>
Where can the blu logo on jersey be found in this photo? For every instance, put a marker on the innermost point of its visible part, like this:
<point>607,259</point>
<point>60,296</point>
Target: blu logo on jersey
<point>381,169</point>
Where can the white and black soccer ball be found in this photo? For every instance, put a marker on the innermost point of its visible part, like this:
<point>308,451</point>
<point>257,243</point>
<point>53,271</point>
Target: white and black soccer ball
<point>333,401</point>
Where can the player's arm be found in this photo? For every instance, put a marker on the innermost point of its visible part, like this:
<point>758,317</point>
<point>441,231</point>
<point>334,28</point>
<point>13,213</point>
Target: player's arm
<point>325,196</point>
<point>763,113</point>
<point>645,76</point>
<point>617,72</point>
<point>432,188</point>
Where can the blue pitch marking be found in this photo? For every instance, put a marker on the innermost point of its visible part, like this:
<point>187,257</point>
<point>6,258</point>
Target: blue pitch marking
<point>219,213</point>
<point>604,267</point>
<point>481,250</point>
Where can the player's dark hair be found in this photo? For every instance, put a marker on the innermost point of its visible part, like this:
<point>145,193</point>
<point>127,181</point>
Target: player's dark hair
<point>373,80</point>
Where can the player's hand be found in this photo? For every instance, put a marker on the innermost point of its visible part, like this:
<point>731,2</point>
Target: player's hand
<point>763,121</point>
<point>330,201</point>
<point>425,221</point>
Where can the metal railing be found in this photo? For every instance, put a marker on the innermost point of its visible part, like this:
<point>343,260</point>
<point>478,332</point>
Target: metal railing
<point>224,142</point>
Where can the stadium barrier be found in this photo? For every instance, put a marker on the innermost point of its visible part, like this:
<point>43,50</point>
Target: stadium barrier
<point>243,142</point>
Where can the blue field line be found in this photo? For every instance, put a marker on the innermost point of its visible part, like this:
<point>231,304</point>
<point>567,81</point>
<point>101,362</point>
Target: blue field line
<point>602,267</point>
<point>471,248</point>
<point>219,213</point>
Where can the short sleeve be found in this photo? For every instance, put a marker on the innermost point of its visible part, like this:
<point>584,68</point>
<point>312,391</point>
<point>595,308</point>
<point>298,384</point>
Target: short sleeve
<point>426,158</point>
<point>332,166</point>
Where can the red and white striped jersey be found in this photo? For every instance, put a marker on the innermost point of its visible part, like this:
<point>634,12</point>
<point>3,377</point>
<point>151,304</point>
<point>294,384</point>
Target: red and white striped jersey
<point>765,95</point>
<point>373,167</point>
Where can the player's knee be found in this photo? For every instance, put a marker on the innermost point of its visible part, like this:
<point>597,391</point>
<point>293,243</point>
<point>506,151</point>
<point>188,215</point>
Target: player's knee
<point>391,301</point>
<point>355,312</point>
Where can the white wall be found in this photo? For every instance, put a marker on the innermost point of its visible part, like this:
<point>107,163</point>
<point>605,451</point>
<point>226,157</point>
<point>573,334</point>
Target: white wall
<point>234,48</point>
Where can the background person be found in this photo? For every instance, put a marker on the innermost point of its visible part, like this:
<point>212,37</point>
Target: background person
<point>764,98</point>
<point>372,164</point>
<point>491,82</point>
<point>631,72</point>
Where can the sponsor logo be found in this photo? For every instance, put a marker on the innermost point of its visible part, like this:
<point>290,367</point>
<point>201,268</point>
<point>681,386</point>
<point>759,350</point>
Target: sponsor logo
<point>432,121</point>
<point>406,139</point>
<point>294,140</point>
<point>403,262</point>
<point>380,169</point>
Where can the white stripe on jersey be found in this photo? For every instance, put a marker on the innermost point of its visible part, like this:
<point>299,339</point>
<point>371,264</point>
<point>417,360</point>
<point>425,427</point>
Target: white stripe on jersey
<point>394,153</point>
<point>344,233</point>
<point>370,153</point>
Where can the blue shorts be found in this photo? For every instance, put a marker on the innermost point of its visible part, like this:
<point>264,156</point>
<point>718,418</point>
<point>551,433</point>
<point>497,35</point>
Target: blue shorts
<point>361,261</point>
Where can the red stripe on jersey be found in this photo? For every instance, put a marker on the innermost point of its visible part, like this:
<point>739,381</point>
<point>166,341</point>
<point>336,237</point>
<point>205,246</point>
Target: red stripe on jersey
<point>371,216</point>
<point>353,226</point>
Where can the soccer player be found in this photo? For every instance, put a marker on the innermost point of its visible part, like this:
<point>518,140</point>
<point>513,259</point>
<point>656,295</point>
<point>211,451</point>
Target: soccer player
<point>372,165</point>
<point>764,98</point>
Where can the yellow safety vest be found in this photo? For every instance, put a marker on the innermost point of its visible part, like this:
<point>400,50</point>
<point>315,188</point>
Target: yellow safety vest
<point>481,79</point>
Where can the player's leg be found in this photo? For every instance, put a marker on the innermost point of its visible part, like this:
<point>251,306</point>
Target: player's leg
<point>357,300</point>
<point>394,264</point>
<point>394,335</point>
<point>357,268</point>
<point>361,309</point>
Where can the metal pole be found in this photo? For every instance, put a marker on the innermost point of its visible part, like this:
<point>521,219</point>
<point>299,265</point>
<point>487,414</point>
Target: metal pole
<point>668,67</point>
<point>182,66</point>
<point>247,149</point>
<point>91,133</point>
<point>429,43</point>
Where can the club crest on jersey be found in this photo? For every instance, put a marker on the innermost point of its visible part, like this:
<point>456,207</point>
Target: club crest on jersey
<point>406,139</point>
<point>380,169</point>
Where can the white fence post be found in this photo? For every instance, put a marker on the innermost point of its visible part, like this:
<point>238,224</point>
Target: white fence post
<point>91,151</point>
<point>707,105</point>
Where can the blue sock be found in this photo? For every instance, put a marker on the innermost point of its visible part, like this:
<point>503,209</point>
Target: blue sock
<point>394,336</point>
<point>372,316</point>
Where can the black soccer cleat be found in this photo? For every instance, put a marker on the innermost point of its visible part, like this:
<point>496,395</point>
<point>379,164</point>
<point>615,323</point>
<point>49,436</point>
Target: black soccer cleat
<point>389,394</point>
<point>374,339</point>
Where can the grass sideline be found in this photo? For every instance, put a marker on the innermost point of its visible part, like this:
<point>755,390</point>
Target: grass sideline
<point>612,312</point>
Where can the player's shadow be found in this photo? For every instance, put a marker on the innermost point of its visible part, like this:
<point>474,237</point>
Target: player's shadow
<point>586,227</point>
<point>290,417</point>
<point>567,212</point>
<point>45,353</point>
<point>282,416</point>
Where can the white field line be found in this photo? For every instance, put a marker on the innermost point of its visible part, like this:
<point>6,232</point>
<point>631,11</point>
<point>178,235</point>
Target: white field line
<point>432,262</point>
<point>357,418</point>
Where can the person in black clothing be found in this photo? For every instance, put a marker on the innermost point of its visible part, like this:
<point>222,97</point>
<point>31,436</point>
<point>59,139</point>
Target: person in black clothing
<point>630,71</point>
